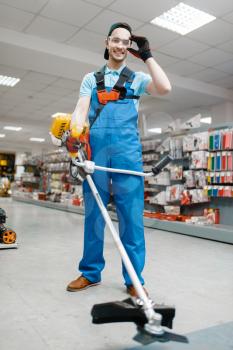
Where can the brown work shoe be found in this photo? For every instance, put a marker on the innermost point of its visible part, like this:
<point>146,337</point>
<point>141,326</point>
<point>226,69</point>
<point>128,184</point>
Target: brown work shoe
<point>132,291</point>
<point>79,284</point>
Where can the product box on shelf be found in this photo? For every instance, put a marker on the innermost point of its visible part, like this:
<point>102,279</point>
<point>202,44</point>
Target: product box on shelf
<point>213,215</point>
<point>189,176</point>
<point>195,142</point>
<point>176,171</point>
<point>161,179</point>
<point>219,191</point>
<point>199,160</point>
<point>172,209</point>
<point>221,139</point>
<point>176,150</point>
<point>174,193</point>
<point>222,160</point>
<point>160,198</point>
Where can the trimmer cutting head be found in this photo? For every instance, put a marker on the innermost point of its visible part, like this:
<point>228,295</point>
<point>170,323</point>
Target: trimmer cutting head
<point>128,311</point>
<point>146,338</point>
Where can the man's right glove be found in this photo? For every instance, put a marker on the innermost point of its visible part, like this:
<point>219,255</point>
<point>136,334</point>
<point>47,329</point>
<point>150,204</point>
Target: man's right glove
<point>71,143</point>
<point>143,51</point>
<point>77,138</point>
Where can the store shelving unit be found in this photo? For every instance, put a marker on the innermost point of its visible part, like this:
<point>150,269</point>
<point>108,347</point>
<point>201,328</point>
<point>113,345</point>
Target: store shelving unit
<point>54,185</point>
<point>220,232</point>
<point>171,184</point>
<point>7,164</point>
<point>149,157</point>
<point>52,205</point>
<point>220,164</point>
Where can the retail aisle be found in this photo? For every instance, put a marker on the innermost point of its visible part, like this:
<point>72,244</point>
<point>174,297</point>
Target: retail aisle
<point>193,274</point>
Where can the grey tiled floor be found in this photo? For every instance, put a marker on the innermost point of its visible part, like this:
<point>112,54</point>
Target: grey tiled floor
<point>37,313</point>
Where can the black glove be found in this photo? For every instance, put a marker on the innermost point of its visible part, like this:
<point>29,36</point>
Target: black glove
<point>72,144</point>
<point>143,51</point>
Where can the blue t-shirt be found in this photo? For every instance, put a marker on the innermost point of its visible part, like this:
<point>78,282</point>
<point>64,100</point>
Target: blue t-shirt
<point>139,84</point>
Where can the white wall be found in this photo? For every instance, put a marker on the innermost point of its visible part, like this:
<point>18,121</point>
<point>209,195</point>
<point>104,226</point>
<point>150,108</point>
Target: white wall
<point>222,113</point>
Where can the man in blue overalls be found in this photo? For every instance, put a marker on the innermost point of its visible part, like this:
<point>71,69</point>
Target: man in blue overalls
<point>110,100</point>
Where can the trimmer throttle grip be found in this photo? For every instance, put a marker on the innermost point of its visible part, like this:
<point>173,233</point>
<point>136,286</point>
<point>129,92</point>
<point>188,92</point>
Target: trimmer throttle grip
<point>161,164</point>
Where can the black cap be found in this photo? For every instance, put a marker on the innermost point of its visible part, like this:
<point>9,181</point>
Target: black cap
<point>112,28</point>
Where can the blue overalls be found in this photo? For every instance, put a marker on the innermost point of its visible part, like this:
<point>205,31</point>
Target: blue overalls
<point>115,143</point>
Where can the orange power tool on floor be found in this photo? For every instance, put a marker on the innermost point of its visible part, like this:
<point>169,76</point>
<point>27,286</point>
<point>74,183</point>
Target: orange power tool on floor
<point>7,235</point>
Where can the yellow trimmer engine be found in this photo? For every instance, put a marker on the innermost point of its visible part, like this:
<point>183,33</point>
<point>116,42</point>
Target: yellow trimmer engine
<point>61,130</point>
<point>60,125</point>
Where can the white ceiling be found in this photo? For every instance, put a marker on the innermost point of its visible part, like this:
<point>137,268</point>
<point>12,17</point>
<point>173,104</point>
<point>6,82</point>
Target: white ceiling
<point>51,44</point>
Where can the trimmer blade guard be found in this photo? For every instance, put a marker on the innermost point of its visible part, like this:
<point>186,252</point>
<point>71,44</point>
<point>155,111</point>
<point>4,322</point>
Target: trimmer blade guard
<point>127,311</point>
<point>145,338</point>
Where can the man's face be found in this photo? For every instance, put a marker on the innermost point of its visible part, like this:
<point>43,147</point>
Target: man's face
<point>118,43</point>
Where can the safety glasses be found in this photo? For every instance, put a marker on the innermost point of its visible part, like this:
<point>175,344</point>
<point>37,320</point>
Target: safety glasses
<point>116,41</point>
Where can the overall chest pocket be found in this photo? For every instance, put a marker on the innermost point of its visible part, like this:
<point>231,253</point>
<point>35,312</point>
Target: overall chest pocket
<point>124,101</point>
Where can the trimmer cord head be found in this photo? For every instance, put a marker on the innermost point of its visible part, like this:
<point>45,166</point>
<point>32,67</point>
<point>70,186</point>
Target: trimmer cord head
<point>129,311</point>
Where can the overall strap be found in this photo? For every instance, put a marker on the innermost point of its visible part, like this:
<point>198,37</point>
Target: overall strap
<point>118,91</point>
<point>99,77</point>
<point>124,77</point>
<point>100,86</point>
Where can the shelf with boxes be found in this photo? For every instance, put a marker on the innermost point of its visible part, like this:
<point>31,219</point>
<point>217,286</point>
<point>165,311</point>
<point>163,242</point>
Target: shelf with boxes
<point>7,170</point>
<point>185,178</point>
<point>60,187</point>
<point>153,185</point>
<point>54,181</point>
<point>195,146</point>
<point>220,163</point>
<point>149,157</point>
<point>55,175</point>
<point>200,175</point>
<point>182,197</point>
<point>29,180</point>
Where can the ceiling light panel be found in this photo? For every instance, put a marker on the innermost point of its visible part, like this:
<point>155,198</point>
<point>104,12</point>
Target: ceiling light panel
<point>36,139</point>
<point>206,120</point>
<point>183,19</point>
<point>8,81</point>
<point>13,128</point>
<point>155,130</point>
<point>58,114</point>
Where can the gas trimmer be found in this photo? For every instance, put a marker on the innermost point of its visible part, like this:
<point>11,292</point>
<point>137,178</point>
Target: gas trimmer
<point>152,320</point>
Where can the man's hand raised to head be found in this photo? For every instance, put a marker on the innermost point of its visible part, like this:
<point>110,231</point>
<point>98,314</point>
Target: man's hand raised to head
<point>143,51</point>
